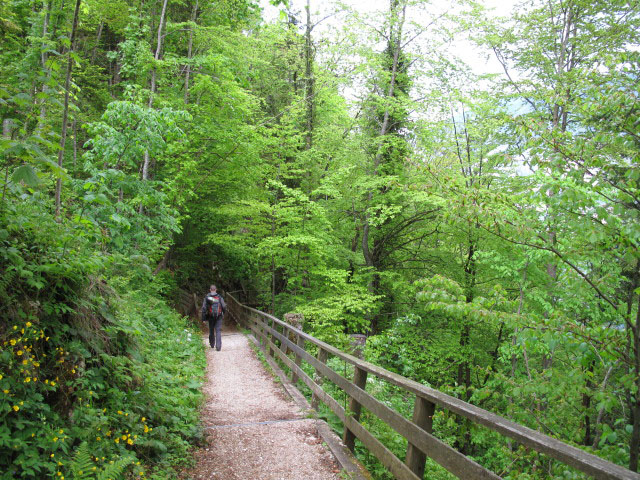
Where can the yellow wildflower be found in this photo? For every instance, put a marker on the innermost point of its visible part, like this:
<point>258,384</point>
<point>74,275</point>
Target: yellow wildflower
<point>16,408</point>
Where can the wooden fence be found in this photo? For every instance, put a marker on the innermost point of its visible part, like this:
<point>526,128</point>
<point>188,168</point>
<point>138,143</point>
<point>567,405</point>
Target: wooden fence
<point>278,338</point>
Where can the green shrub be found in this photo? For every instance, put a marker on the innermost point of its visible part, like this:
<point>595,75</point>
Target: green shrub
<point>88,363</point>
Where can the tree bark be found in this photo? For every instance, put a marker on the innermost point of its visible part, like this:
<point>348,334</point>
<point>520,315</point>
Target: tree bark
<point>65,111</point>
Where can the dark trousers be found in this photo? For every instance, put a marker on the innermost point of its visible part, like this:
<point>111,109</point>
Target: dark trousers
<point>215,336</point>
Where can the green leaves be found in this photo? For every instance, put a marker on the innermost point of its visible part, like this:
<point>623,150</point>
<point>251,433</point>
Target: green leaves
<point>26,174</point>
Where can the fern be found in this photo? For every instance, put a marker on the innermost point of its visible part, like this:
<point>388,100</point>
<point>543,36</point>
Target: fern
<point>114,471</point>
<point>83,468</point>
<point>5,281</point>
<point>82,463</point>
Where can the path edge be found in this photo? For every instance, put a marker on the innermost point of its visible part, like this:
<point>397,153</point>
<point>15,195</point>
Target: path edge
<point>345,458</point>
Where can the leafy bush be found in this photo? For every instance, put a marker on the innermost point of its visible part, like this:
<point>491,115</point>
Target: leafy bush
<point>88,364</point>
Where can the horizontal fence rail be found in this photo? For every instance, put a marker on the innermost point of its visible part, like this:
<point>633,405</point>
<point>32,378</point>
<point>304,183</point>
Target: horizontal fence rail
<point>278,338</point>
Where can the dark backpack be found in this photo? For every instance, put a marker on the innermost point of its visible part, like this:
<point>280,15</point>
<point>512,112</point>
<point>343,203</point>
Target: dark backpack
<point>214,306</point>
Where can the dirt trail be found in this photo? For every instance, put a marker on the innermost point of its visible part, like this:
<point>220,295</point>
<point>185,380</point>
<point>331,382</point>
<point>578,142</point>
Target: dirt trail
<point>253,428</point>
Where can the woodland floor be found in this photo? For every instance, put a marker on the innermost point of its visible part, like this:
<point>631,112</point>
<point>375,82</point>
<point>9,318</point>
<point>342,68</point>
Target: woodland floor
<point>253,428</point>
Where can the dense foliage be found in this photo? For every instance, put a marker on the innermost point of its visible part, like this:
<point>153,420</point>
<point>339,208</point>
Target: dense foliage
<point>482,230</point>
<point>90,356</point>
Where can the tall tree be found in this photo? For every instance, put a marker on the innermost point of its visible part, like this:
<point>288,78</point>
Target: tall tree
<point>65,111</point>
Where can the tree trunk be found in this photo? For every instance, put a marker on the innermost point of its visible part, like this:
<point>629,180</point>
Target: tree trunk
<point>163,262</point>
<point>65,111</point>
<point>6,127</point>
<point>634,445</point>
<point>395,44</point>
<point>596,437</point>
<point>586,403</point>
<point>158,50</point>
<point>43,60</point>
<point>514,339</point>
<point>95,48</point>
<point>74,129</point>
<point>145,165</point>
<point>187,75</point>
<point>6,133</point>
<point>309,80</point>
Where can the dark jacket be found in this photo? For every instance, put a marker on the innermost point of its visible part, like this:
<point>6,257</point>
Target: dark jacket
<point>205,302</point>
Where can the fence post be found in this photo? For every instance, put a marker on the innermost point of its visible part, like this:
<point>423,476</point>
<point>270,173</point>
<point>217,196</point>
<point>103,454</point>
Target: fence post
<point>360,380</point>
<point>422,417</point>
<point>283,347</point>
<point>298,359</point>
<point>322,357</point>
<point>260,325</point>
<point>273,339</point>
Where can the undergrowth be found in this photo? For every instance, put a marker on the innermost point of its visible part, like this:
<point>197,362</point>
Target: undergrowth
<point>99,377</point>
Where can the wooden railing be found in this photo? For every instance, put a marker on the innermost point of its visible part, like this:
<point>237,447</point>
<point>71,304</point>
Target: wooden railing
<point>278,337</point>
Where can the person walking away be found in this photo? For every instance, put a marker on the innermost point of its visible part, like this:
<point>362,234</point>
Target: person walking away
<point>213,308</point>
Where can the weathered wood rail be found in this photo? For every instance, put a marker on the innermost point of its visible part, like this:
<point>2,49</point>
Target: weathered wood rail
<point>418,432</point>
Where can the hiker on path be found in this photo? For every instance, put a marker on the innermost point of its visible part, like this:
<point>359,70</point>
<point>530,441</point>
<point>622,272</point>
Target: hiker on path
<point>213,308</point>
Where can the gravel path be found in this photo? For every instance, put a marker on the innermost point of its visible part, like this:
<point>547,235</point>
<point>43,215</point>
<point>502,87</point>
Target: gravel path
<point>254,430</point>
